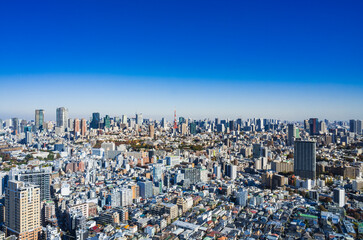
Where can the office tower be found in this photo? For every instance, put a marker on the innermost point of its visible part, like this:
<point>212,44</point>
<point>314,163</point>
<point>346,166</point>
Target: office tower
<point>220,128</point>
<point>62,117</point>
<point>292,133</point>
<point>216,121</point>
<point>322,127</point>
<point>15,124</point>
<point>305,159</point>
<point>193,128</point>
<point>231,171</point>
<point>163,123</point>
<point>83,127</point>
<point>124,119</point>
<point>95,123</point>
<point>217,170</point>
<point>70,124</point>
<point>231,125</point>
<point>76,127</point>
<point>146,189</point>
<point>39,119</point>
<point>339,196</point>
<point>22,210</point>
<point>1,124</point>
<point>242,196</point>
<point>313,126</point>
<point>259,124</point>
<point>352,126</point>
<point>306,125</point>
<point>28,137</point>
<point>259,151</point>
<point>359,126</point>
<point>183,128</point>
<point>39,177</point>
<point>106,122</point>
<point>139,119</point>
<point>125,197</point>
<point>151,131</point>
<point>157,172</point>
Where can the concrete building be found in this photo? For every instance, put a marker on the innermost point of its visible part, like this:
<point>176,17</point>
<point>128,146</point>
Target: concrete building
<point>305,159</point>
<point>22,207</point>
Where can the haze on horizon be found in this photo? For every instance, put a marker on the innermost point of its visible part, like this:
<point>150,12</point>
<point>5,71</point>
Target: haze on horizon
<point>290,60</point>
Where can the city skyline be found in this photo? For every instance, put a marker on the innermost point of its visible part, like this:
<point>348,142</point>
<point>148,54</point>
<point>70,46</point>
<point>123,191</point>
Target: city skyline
<point>290,61</point>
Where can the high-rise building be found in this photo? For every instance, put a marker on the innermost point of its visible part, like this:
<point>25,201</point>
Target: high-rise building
<point>40,177</point>
<point>291,134</point>
<point>359,126</point>
<point>352,126</point>
<point>314,126</point>
<point>305,159</point>
<point>339,196</point>
<point>183,128</point>
<point>146,189</point>
<point>15,123</point>
<point>106,122</point>
<point>4,178</point>
<point>95,123</point>
<point>83,127</point>
<point>125,197</point>
<point>193,128</point>
<point>163,123</point>
<point>124,119</point>
<point>242,196</point>
<point>151,131</point>
<point>22,210</point>
<point>139,119</point>
<point>76,126</point>
<point>39,119</point>
<point>62,117</point>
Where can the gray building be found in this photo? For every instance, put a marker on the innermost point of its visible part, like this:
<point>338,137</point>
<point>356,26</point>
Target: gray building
<point>62,117</point>
<point>146,189</point>
<point>305,159</point>
<point>40,177</point>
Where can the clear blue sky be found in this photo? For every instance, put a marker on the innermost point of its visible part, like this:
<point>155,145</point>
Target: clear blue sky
<point>275,59</point>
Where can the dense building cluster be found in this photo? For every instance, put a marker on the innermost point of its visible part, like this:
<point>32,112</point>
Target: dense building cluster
<point>135,178</point>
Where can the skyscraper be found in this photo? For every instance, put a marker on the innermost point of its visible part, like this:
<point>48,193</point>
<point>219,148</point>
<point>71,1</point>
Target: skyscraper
<point>39,119</point>
<point>352,126</point>
<point>15,123</point>
<point>62,117</point>
<point>83,127</point>
<point>305,159</point>
<point>313,126</point>
<point>106,122</point>
<point>359,126</point>
<point>76,126</point>
<point>22,210</point>
<point>139,119</point>
<point>292,132</point>
<point>151,131</point>
<point>95,123</point>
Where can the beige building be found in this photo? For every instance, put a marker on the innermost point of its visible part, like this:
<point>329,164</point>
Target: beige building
<point>22,210</point>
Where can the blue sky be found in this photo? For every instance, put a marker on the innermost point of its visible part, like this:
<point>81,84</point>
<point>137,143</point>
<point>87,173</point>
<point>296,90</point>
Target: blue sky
<point>275,59</point>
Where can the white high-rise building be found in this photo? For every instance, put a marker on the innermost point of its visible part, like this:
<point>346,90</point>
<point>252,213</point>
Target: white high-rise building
<point>339,196</point>
<point>125,197</point>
